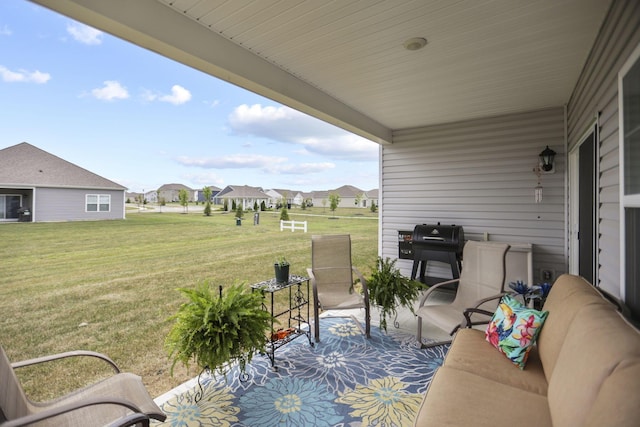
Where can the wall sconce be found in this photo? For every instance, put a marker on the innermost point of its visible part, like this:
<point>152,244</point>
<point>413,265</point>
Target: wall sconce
<point>546,160</point>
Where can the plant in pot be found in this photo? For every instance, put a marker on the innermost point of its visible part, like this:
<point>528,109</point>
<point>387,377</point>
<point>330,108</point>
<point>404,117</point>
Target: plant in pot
<point>215,329</point>
<point>389,289</point>
<point>281,267</point>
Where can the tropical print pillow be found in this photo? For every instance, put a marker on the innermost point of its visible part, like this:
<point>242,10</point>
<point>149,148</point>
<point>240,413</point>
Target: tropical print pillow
<point>514,328</point>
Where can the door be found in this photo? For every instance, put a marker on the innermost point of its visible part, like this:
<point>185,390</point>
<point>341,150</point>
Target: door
<point>586,208</point>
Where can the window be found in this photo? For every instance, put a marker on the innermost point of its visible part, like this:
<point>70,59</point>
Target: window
<point>98,203</point>
<point>9,205</point>
<point>629,93</point>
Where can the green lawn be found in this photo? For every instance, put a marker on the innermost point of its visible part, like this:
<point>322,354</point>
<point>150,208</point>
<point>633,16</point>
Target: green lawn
<point>109,286</point>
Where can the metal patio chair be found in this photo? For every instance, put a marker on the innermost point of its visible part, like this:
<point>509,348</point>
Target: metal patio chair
<point>119,400</point>
<point>331,276</point>
<point>480,286</point>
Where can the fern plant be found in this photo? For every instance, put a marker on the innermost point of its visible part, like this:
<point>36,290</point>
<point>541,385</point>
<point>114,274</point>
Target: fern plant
<point>214,330</point>
<point>389,289</point>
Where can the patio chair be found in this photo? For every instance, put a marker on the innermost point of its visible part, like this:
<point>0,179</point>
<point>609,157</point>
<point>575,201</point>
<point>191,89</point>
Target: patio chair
<point>331,276</point>
<point>120,400</point>
<point>480,286</point>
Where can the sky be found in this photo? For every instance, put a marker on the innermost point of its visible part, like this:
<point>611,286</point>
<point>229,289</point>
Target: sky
<point>142,120</point>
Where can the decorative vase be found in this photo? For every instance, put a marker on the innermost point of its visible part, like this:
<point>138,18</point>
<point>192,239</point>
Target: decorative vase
<point>282,273</point>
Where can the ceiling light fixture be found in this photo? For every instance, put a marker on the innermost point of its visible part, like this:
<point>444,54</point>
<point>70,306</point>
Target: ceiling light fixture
<point>415,43</point>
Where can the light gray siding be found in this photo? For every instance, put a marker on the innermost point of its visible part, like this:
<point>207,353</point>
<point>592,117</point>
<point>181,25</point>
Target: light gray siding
<point>479,174</point>
<point>597,94</point>
<point>63,204</point>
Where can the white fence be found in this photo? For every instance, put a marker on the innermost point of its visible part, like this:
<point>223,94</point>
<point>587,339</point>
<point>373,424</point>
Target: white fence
<point>293,225</point>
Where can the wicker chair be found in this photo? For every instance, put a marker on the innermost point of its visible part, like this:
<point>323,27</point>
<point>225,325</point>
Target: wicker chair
<point>331,275</point>
<point>480,286</point>
<point>120,400</point>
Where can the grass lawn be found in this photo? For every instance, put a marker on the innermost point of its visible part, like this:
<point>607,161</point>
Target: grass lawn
<point>110,286</point>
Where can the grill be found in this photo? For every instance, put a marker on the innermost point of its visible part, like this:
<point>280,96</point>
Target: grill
<point>442,243</point>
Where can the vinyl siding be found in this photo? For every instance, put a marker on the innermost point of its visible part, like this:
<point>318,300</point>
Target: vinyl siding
<point>61,204</point>
<point>478,174</point>
<point>596,94</point>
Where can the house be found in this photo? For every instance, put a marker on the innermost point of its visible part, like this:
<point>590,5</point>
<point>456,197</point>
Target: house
<point>171,192</point>
<point>244,195</point>
<point>462,99</point>
<point>200,193</point>
<point>372,197</point>
<point>38,186</point>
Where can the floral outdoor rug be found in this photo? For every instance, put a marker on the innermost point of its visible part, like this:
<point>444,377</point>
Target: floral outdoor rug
<point>345,380</point>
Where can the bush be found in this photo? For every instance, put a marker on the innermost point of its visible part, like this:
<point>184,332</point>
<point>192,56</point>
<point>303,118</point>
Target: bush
<point>284,214</point>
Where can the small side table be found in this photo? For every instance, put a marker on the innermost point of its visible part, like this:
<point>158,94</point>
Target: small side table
<point>295,313</point>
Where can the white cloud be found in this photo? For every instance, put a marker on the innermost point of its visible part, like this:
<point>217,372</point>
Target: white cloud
<point>23,76</point>
<point>84,34</point>
<point>179,95</point>
<point>267,164</point>
<point>285,124</point>
<point>5,31</point>
<point>110,91</point>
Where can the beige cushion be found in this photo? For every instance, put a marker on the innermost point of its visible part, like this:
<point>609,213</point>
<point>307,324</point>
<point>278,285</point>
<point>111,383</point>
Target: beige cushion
<point>459,398</point>
<point>599,341</point>
<point>569,295</point>
<point>618,401</point>
<point>472,353</point>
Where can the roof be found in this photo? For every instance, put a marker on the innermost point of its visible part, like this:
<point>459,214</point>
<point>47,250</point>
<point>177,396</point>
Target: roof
<point>174,187</point>
<point>242,192</point>
<point>29,166</point>
<point>347,191</point>
<point>344,61</point>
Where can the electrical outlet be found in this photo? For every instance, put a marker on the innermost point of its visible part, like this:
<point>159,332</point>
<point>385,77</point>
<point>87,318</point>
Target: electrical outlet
<point>547,275</point>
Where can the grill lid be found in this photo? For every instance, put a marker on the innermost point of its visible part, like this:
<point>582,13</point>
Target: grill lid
<point>438,237</point>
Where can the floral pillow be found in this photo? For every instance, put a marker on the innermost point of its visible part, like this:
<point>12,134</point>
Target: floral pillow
<point>514,328</point>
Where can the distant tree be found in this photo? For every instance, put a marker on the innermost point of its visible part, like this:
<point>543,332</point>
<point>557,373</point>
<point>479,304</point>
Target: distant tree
<point>359,199</point>
<point>374,208</point>
<point>334,201</point>
<point>303,206</point>
<point>233,205</point>
<point>128,200</point>
<point>239,211</point>
<point>263,206</point>
<point>161,202</point>
<point>207,197</point>
<point>255,206</point>
<point>284,214</point>
<point>183,197</point>
<point>225,205</point>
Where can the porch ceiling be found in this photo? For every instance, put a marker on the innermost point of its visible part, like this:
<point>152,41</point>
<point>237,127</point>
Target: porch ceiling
<point>344,61</point>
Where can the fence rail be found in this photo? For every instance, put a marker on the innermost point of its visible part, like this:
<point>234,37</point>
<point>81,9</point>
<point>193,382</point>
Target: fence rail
<point>293,225</point>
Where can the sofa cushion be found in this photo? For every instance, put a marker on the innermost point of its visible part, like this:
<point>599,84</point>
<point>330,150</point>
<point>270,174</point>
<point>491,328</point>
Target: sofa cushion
<point>616,403</point>
<point>460,398</point>
<point>569,294</point>
<point>472,353</point>
<point>598,343</point>
<point>514,328</point>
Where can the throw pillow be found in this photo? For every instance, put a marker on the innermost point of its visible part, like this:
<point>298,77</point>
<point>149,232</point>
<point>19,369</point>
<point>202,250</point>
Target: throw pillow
<point>514,328</point>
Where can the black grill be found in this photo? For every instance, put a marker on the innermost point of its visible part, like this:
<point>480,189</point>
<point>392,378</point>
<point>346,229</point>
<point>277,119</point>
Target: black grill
<point>441,243</point>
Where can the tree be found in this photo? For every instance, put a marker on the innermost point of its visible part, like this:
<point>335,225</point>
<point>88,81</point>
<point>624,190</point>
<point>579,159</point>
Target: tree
<point>183,196</point>
<point>233,205</point>
<point>334,201</point>
<point>239,211</point>
<point>207,197</point>
<point>359,199</point>
<point>255,206</point>
<point>284,214</point>
<point>263,206</point>
<point>374,208</point>
<point>225,205</point>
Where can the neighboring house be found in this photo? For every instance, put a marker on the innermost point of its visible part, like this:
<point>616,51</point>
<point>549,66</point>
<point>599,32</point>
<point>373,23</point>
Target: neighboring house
<point>171,192</point>
<point>245,195</point>
<point>372,197</point>
<point>461,122</point>
<point>277,195</point>
<point>52,189</point>
<point>200,193</point>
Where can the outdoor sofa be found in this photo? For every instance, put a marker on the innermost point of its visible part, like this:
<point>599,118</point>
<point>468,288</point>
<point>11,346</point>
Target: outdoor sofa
<point>583,371</point>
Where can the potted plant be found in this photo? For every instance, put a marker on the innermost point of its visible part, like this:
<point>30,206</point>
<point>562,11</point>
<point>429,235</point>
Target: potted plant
<point>281,267</point>
<point>214,329</point>
<point>388,289</point>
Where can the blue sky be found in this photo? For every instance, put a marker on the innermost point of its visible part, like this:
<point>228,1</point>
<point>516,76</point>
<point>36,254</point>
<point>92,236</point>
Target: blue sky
<point>142,120</point>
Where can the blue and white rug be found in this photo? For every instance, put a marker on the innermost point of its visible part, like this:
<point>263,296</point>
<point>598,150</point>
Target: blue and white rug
<point>345,380</point>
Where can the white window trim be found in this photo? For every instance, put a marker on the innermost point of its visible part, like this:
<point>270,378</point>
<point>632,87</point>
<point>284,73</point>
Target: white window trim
<point>99,196</point>
<point>632,201</point>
